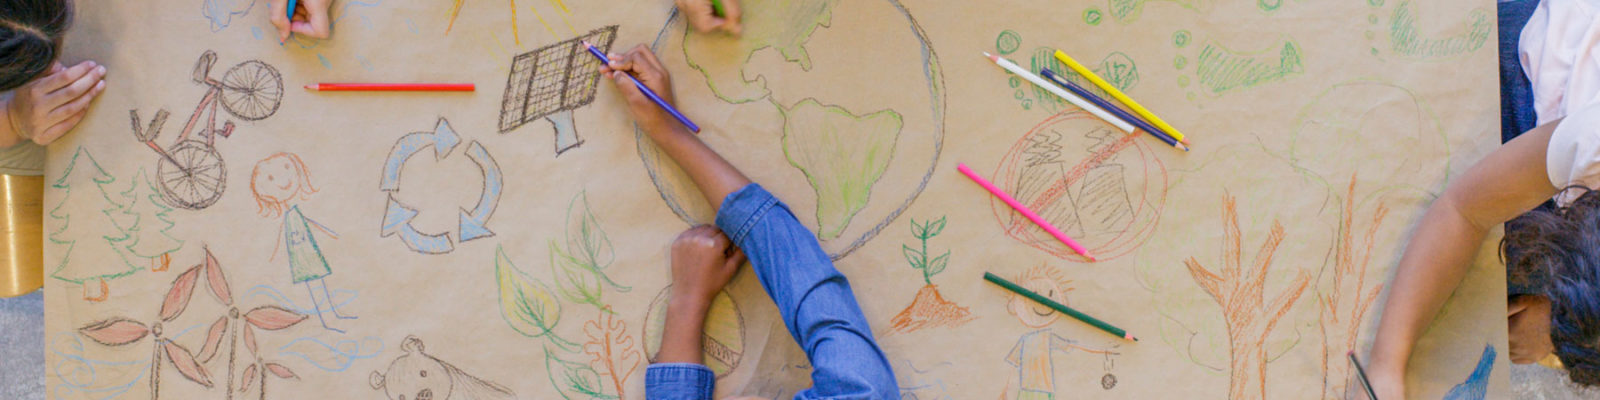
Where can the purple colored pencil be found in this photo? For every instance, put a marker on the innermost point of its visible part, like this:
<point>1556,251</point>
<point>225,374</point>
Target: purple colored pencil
<point>1111,108</point>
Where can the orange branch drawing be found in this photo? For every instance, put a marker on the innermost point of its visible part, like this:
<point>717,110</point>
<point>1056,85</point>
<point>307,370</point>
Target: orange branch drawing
<point>611,350</point>
<point>1240,292</point>
<point>1340,316</point>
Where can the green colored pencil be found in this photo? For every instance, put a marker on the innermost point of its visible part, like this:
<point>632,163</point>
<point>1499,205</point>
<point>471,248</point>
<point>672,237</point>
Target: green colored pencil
<point>716,8</point>
<point>991,277</point>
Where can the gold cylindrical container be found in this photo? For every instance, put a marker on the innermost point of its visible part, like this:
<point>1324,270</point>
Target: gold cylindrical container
<point>23,212</point>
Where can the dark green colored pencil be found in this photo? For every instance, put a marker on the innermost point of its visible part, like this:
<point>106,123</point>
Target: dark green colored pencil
<point>1058,306</point>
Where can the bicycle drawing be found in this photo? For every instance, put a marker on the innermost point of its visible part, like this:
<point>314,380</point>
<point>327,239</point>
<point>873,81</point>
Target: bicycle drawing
<point>190,173</point>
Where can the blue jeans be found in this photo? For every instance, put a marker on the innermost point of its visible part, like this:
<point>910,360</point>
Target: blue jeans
<point>1516,93</point>
<point>813,298</point>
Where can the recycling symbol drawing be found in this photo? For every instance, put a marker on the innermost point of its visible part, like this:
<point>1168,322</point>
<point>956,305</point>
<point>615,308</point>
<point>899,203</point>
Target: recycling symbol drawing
<point>397,216</point>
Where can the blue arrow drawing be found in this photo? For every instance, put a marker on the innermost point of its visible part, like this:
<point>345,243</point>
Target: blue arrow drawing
<point>397,219</point>
<point>472,221</point>
<point>443,139</point>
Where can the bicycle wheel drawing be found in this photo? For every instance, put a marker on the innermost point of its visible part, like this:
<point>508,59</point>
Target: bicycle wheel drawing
<point>252,90</point>
<point>197,180</point>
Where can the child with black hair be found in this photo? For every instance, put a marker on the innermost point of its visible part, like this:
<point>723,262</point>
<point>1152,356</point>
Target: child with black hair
<point>1552,253</point>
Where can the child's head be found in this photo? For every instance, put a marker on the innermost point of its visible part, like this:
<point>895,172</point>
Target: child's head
<point>1047,281</point>
<point>30,38</point>
<point>278,179</point>
<point>1562,247</point>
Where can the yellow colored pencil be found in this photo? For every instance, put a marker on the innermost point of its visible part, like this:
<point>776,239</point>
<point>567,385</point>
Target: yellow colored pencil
<point>1132,105</point>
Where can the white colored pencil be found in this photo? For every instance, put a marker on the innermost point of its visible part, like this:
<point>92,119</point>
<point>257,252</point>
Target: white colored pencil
<point>1056,90</point>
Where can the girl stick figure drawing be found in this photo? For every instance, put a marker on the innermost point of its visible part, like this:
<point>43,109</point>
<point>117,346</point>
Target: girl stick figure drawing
<point>279,181</point>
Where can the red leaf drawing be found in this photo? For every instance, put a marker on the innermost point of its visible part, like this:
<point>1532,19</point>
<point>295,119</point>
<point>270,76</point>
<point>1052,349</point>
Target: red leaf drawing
<point>249,379</point>
<point>611,350</point>
<point>115,332</point>
<point>185,363</point>
<point>273,317</point>
<point>178,297</point>
<point>219,283</point>
<point>250,339</point>
<point>213,339</point>
<point>281,371</point>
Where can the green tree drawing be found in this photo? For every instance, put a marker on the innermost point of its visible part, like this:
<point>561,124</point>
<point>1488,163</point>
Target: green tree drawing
<point>148,223</point>
<point>96,247</point>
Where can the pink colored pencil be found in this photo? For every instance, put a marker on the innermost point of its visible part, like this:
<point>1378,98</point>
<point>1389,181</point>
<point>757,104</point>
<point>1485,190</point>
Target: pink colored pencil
<point>391,87</point>
<point>1037,220</point>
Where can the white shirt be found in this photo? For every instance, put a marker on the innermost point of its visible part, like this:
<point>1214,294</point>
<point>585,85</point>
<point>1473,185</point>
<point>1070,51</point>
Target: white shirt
<point>1560,52</point>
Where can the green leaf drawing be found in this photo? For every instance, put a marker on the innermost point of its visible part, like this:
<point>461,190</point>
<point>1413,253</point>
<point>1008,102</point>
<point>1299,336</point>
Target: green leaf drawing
<point>580,265</point>
<point>574,381</point>
<point>937,265</point>
<point>576,281</point>
<point>526,304</point>
<point>918,258</point>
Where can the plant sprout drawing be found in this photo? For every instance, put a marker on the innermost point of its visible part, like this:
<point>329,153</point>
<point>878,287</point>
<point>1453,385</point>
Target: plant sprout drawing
<point>929,308</point>
<point>1239,289</point>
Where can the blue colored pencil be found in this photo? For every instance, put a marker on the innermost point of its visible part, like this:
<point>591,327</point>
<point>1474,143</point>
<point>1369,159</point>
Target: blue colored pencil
<point>1111,108</point>
<point>646,90</point>
<point>291,19</point>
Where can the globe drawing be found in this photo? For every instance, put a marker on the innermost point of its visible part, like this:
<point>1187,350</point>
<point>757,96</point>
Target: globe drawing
<point>837,108</point>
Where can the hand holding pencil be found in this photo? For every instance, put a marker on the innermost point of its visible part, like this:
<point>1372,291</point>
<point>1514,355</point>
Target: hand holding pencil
<point>643,65</point>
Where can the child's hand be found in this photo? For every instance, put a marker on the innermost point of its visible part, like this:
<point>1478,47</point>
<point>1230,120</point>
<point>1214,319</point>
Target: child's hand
<point>702,264</point>
<point>48,107</point>
<point>310,18</point>
<point>643,65</point>
<point>704,19</point>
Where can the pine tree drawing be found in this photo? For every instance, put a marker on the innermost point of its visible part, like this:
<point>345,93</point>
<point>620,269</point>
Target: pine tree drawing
<point>147,223</point>
<point>96,246</point>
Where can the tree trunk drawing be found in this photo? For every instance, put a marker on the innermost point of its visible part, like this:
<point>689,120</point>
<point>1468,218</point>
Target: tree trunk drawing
<point>1239,289</point>
<point>1345,304</point>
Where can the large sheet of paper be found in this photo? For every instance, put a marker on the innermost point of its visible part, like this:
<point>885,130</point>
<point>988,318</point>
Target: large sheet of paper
<point>217,232</point>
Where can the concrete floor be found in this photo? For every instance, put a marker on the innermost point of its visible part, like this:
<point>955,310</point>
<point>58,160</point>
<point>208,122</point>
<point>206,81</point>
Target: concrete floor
<point>1540,383</point>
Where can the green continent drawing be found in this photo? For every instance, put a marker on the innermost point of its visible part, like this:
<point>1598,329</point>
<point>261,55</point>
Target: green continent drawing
<point>1405,39</point>
<point>842,155</point>
<point>1220,69</point>
<point>784,26</point>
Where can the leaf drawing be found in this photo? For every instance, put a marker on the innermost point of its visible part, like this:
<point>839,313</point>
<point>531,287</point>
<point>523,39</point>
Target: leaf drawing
<point>526,304</point>
<point>611,351</point>
<point>574,381</point>
<point>580,267</point>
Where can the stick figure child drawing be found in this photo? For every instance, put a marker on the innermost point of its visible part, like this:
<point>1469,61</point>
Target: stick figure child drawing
<point>1034,353</point>
<point>277,182</point>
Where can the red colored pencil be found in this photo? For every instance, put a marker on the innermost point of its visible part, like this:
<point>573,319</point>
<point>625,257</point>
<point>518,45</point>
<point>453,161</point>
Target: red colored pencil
<point>391,87</point>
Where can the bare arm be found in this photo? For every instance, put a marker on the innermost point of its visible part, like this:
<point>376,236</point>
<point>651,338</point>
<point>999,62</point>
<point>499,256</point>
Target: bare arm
<point>715,177</point>
<point>1507,183</point>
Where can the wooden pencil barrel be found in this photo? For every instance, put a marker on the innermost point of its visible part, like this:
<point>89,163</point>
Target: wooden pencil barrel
<point>22,269</point>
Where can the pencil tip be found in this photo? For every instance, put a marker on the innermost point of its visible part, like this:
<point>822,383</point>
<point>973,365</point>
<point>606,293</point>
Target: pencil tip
<point>310,87</point>
<point>1182,146</point>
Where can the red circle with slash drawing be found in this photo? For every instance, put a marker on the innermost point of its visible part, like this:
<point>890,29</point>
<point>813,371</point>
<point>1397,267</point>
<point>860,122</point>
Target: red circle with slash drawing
<point>1103,187</point>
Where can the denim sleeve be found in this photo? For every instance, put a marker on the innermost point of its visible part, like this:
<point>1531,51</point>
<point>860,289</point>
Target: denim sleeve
<point>813,298</point>
<point>678,381</point>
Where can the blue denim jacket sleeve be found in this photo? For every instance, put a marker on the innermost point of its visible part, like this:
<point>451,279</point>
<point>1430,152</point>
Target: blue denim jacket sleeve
<point>813,298</point>
<point>678,381</point>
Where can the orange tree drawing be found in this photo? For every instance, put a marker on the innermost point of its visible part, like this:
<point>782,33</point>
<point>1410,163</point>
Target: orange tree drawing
<point>1239,289</point>
<point>1345,304</point>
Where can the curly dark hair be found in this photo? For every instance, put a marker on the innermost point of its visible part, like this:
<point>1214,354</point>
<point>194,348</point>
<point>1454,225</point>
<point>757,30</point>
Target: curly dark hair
<point>30,38</point>
<point>1559,249</point>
